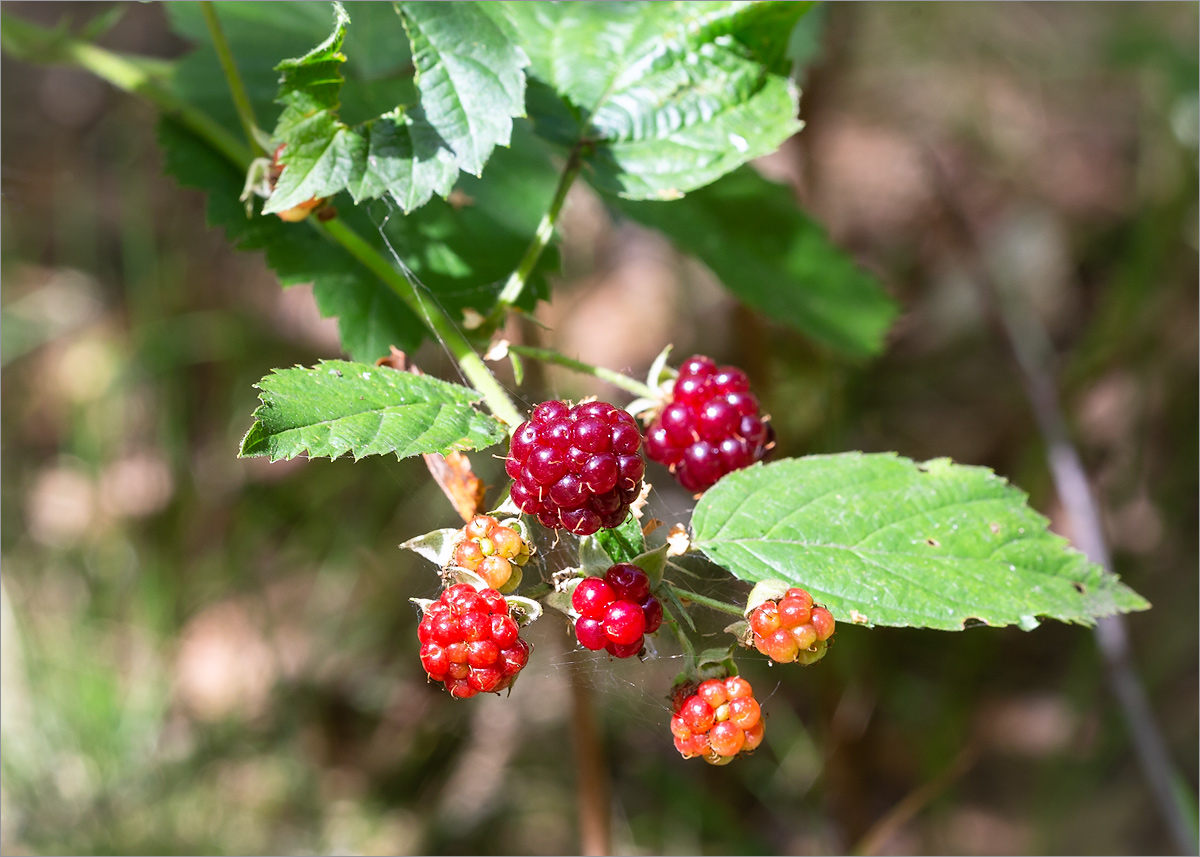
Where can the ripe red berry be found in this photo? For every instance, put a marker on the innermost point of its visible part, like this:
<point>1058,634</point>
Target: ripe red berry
<point>717,721</point>
<point>576,468</point>
<point>616,611</point>
<point>792,630</point>
<point>710,427</point>
<point>470,642</point>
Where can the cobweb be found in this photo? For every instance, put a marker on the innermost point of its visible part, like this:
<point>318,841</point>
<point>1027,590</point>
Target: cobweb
<point>640,687</point>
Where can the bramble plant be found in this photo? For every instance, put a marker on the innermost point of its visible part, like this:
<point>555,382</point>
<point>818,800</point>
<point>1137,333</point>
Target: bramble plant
<point>413,166</point>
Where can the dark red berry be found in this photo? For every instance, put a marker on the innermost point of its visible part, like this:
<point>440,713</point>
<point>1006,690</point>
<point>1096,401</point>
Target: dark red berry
<point>629,582</point>
<point>710,427</point>
<point>576,468</point>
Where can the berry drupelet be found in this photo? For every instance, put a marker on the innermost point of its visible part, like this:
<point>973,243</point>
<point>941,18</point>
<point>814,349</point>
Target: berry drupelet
<point>493,551</point>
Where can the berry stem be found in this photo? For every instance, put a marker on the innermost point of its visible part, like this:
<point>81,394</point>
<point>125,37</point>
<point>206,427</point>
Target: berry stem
<point>511,292</point>
<point>471,363</point>
<point>237,89</point>
<point>624,382</point>
<point>704,601</point>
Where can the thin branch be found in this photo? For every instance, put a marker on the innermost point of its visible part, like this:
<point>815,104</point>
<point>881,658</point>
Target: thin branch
<point>1034,353</point>
<point>35,43</point>
<point>912,803</point>
<point>237,89</point>
<point>592,794</point>
<point>624,382</point>
<point>515,284</point>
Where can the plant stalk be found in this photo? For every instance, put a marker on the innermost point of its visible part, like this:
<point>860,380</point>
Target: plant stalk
<point>237,89</point>
<point>515,284</point>
<point>35,43</point>
<point>469,361</point>
<point>624,382</point>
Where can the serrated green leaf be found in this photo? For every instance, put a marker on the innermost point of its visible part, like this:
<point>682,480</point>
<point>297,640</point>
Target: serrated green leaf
<point>880,539</point>
<point>339,407</point>
<point>766,251</point>
<point>667,96</point>
<point>470,77</point>
<point>471,85</point>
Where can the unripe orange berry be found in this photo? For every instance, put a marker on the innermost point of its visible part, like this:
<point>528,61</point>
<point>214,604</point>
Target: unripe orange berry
<point>726,738</point>
<point>495,571</point>
<point>822,622</point>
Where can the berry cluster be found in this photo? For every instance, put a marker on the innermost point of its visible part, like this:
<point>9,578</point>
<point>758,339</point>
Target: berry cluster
<point>718,721</point>
<point>470,642</point>
<point>616,611</point>
<point>494,552</point>
<point>792,629</point>
<point>576,468</point>
<point>710,427</point>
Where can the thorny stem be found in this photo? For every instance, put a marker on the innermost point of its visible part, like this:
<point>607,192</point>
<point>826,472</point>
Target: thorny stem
<point>624,382</point>
<point>35,43</point>
<point>237,89</point>
<point>515,284</point>
<point>705,601</point>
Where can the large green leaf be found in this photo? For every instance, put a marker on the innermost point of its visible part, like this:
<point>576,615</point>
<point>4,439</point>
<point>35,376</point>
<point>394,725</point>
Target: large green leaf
<point>883,540</point>
<point>470,82</point>
<point>752,235</point>
<point>338,407</point>
<point>666,97</point>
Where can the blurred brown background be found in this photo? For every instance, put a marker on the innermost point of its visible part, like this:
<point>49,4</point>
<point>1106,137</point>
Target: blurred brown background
<point>208,655</point>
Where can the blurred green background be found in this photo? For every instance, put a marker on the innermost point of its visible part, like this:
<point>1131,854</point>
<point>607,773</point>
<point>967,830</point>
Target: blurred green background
<point>207,655</point>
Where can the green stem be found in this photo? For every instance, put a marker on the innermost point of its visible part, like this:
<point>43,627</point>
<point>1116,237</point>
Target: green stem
<point>615,378</point>
<point>684,641</point>
<point>237,89</point>
<point>37,44</point>
<point>472,364</point>
<point>34,43</point>
<point>511,292</point>
<point>704,601</point>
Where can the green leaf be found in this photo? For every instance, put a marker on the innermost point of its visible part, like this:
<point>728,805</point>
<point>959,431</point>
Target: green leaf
<point>339,407</point>
<point>623,543</point>
<point>470,83</point>
<point>469,75</point>
<point>461,254</point>
<point>882,540</point>
<point>370,317</point>
<point>766,251</point>
<point>667,97</point>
